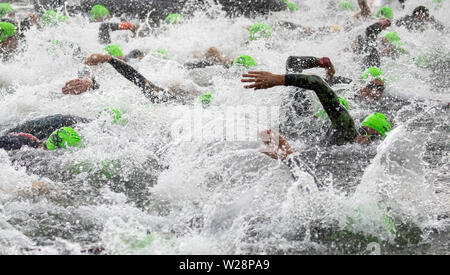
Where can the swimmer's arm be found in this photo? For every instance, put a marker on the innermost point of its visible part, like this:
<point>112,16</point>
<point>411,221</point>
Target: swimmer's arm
<point>339,116</point>
<point>103,32</point>
<point>296,64</point>
<point>105,29</point>
<point>155,93</point>
<point>375,29</point>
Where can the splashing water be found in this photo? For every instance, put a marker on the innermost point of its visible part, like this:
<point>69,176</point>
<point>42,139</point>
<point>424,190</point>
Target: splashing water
<point>159,185</point>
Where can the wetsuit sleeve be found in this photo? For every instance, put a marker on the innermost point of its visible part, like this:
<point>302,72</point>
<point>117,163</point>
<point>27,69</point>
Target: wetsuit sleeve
<point>367,46</point>
<point>104,32</point>
<point>296,64</point>
<point>150,90</point>
<point>25,25</point>
<point>373,31</point>
<point>11,142</point>
<point>42,128</point>
<point>341,120</point>
<point>403,21</point>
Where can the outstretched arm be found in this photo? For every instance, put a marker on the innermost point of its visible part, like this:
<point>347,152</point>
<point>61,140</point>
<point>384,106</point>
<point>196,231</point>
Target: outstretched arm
<point>296,64</point>
<point>150,90</point>
<point>340,118</point>
<point>375,29</point>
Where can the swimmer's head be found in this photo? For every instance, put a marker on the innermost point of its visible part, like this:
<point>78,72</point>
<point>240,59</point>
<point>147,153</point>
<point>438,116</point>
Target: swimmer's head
<point>99,13</point>
<point>173,18</point>
<point>50,17</point>
<point>5,9</point>
<point>385,12</point>
<point>65,136</point>
<point>421,13</point>
<point>6,31</point>
<point>377,122</point>
<point>260,30</point>
<point>114,50</point>
<point>245,61</point>
<point>346,5</point>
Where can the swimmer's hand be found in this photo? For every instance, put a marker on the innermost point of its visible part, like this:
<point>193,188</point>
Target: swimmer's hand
<point>97,58</point>
<point>35,19</point>
<point>275,146</point>
<point>77,86</point>
<point>263,80</point>
<point>134,28</point>
<point>330,72</point>
<point>384,22</point>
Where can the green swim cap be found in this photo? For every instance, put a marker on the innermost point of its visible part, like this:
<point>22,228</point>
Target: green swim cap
<point>374,72</point>
<point>246,61</point>
<point>422,61</point>
<point>161,53</point>
<point>346,5</point>
<point>6,30</point>
<point>292,7</point>
<point>117,116</point>
<point>173,18</point>
<point>395,39</point>
<point>392,37</point>
<point>5,8</point>
<point>206,98</point>
<point>378,122</point>
<point>259,30</point>
<point>54,44</point>
<point>323,114</point>
<point>61,137</point>
<point>114,50</point>
<point>98,11</point>
<point>386,12</point>
<point>50,17</point>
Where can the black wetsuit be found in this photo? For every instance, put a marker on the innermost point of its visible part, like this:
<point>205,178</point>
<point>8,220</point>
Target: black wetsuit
<point>42,128</point>
<point>104,32</point>
<point>367,46</point>
<point>296,105</point>
<point>14,142</point>
<point>341,132</point>
<point>150,90</point>
<point>21,26</point>
<point>343,129</point>
<point>413,24</point>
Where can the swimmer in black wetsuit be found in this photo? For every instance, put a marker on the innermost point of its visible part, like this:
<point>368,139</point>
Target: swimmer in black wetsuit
<point>153,92</point>
<point>297,104</point>
<point>343,129</point>
<point>366,46</point>
<point>11,36</point>
<point>34,133</point>
<point>420,20</point>
<point>105,29</point>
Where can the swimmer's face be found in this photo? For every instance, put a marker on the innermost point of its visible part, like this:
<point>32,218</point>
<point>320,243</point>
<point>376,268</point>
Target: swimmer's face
<point>373,90</point>
<point>367,135</point>
<point>9,44</point>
